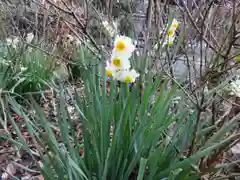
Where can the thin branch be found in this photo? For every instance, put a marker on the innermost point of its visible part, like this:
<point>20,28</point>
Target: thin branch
<point>199,31</point>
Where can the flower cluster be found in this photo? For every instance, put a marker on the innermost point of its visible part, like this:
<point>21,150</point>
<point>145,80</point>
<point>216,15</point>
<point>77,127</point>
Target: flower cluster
<point>171,33</point>
<point>169,38</point>
<point>119,66</point>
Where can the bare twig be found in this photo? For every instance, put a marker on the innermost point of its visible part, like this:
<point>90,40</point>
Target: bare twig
<point>199,31</point>
<point>82,26</point>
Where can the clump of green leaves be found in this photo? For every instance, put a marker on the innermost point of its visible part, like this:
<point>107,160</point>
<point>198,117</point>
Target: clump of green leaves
<point>124,135</point>
<point>85,57</point>
<point>25,69</point>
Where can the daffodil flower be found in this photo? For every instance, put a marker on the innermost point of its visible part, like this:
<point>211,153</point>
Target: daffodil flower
<point>110,70</point>
<point>171,33</point>
<point>170,36</point>
<point>123,46</point>
<point>174,24</point>
<point>120,62</point>
<point>169,40</point>
<point>119,66</point>
<point>127,76</point>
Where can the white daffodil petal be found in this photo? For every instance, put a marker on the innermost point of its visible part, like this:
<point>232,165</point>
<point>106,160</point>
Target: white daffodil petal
<point>120,62</point>
<point>110,70</point>
<point>127,76</point>
<point>174,24</point>
<point>171,32</point>
<point>124,46</point>
<point>169,41</point>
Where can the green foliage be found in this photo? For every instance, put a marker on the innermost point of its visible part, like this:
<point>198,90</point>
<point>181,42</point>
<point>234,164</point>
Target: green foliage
<point>125,136</point>
<point>84,58</point>
<point>25,69</point>
<point>127,132</point>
